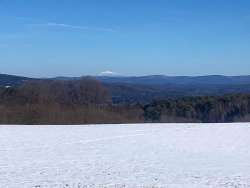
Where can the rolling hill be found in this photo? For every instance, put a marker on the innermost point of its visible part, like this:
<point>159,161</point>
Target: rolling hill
<point>144,89</point>
<point>11,80</point>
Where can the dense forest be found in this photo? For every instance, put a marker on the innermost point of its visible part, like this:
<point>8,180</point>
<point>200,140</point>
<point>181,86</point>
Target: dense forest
<point>87,101</point>
<point>62,102</point>
<point>206,109</point>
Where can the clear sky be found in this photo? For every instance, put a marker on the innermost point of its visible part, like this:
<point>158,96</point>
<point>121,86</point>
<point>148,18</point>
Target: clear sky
<point>44,38</point>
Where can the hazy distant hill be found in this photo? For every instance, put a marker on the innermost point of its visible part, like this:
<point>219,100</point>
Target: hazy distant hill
<point>147,88</point>
<point>10,80</point>
<point>180,80</point>
<point>147,80</point>
<point>144,89</point>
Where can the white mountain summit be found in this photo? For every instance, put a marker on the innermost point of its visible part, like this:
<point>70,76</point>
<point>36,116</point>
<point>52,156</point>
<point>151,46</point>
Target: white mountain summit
<point>109,73</point>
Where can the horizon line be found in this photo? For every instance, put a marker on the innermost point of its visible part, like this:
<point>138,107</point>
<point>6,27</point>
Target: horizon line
<point>117,76</point>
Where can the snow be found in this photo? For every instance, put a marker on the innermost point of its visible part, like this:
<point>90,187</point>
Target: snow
<point>136,155</point>
<point>109,73</point>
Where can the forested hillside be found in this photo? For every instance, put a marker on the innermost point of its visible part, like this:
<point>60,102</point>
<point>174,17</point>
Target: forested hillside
<point>145,89</point>
<point>228,108</point>
<point>62,102</point>
<point>86,101</point>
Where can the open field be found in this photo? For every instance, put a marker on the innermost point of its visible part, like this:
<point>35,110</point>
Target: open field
<point>160,155</point>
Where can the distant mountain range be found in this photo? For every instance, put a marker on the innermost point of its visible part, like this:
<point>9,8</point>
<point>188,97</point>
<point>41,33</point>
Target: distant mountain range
<point>179,80</point>
<point>147,88</point>
<point>6,79</point>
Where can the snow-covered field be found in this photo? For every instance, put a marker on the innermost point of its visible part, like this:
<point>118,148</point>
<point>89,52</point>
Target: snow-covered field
<point>141,155</point>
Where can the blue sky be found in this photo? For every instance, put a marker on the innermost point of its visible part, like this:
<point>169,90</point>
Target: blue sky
<point>131,37</point>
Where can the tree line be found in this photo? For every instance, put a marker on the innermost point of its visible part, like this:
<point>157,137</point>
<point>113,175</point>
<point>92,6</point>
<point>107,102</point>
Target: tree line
<point>81,101</point>
<point>207,109</point>
<point>87,101</point>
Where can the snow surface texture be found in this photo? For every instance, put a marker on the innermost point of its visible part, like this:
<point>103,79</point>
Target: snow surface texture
<point>141,155</point>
